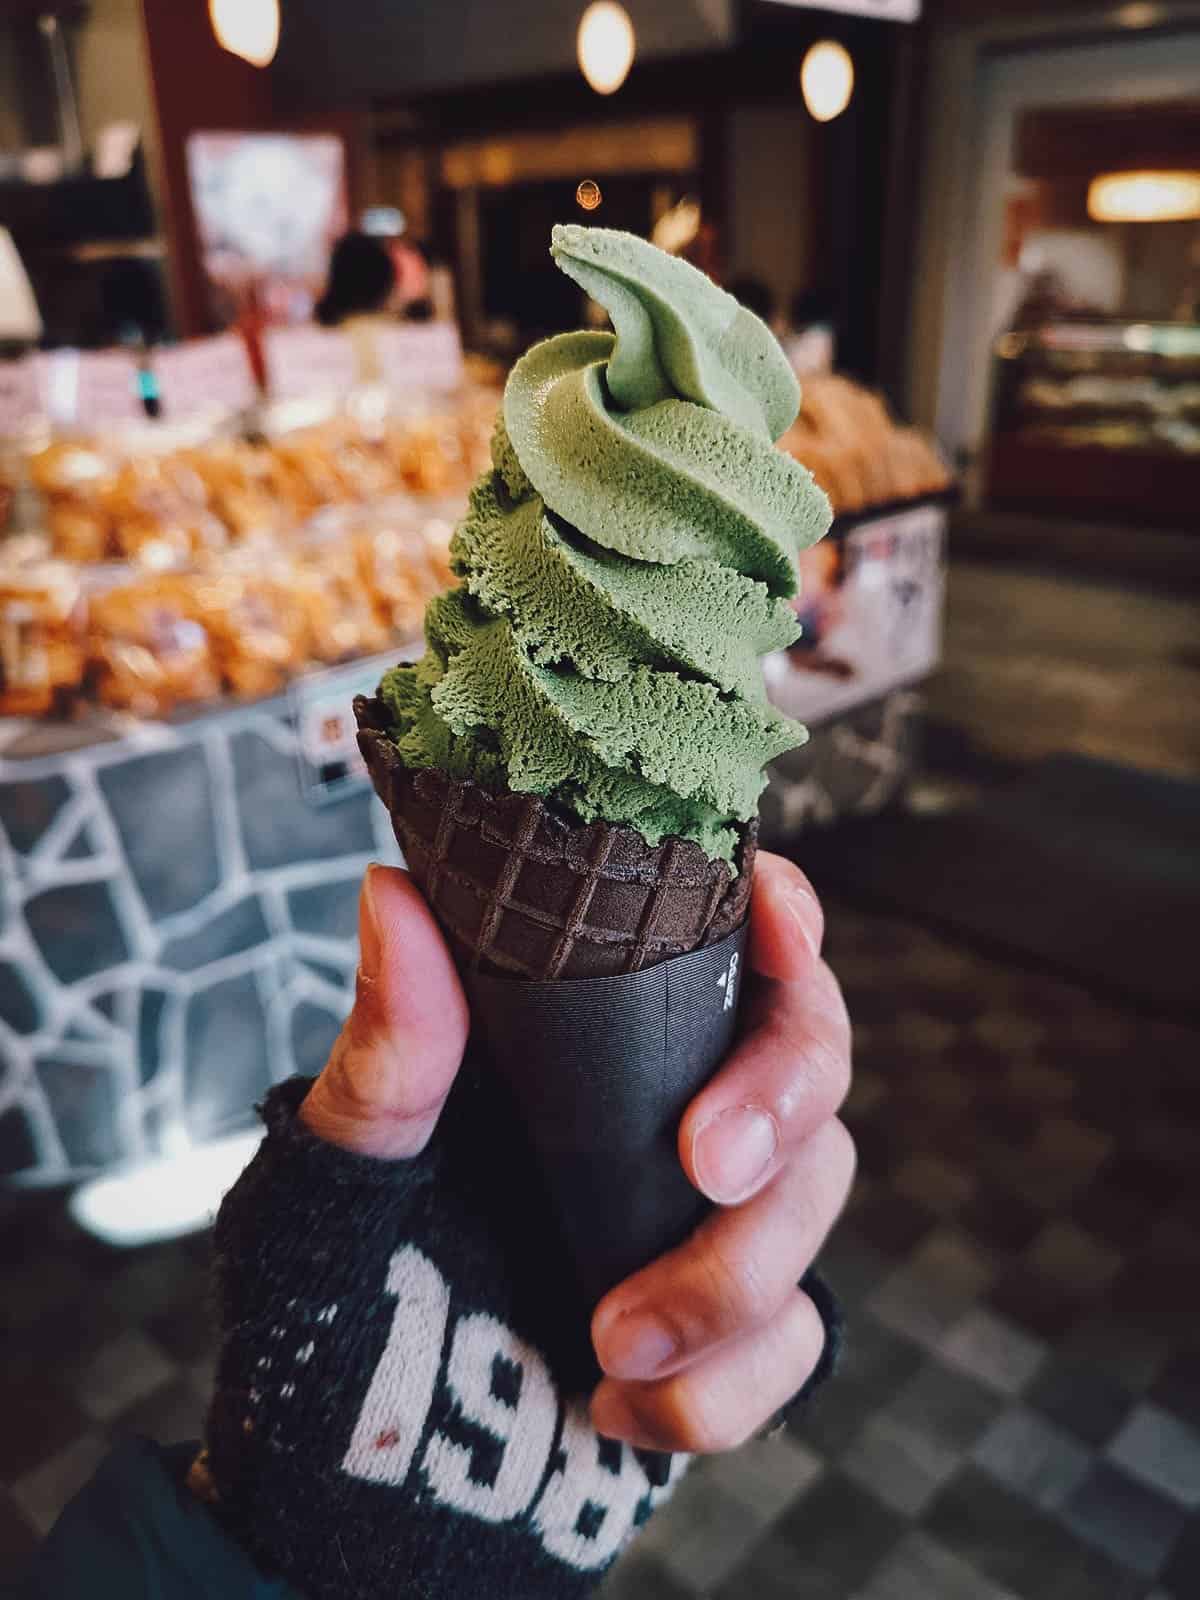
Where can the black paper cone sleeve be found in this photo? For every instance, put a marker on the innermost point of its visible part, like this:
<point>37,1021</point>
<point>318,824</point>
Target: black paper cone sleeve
<point>600,1071</point>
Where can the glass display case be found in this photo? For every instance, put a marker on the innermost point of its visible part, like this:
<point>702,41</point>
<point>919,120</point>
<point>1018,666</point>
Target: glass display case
<point>1098,418</point>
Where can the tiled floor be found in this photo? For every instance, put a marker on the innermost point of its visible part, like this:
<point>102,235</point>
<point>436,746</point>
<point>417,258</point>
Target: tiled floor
<point>1018,1417</point>
<point>1036,663</point>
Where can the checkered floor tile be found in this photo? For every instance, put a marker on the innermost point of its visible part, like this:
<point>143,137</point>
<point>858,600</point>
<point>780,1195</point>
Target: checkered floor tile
<point>1018,1413</point>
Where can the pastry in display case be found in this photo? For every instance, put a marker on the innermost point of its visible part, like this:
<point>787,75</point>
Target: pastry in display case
<point>72,476</point>
<point>342,622</point>
<point>147,651</point>
<point>259,630</point>
<point>152,520</point>
<point>1098,418</point>
<point>239,484</point>
<point>857,452</point>
<point>132,498</point>
<point>388,574</point>
<point>400,560</point>
<point>165,569</point>
<point>41,638</point>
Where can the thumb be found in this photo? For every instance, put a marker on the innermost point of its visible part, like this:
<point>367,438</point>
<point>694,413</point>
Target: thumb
<point>393,1063</point>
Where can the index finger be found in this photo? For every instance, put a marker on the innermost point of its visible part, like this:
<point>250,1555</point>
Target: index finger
<point>790,1071</point>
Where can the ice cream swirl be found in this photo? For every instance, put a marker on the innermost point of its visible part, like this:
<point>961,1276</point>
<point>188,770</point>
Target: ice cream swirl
<point>626,565</point>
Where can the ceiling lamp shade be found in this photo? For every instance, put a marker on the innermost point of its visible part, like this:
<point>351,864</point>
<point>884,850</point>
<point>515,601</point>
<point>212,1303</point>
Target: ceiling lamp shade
<point>827,79</point>
<point>20,320</point>
<point>1144,197</point>
<point>606,45</point>
<point>247,28</point>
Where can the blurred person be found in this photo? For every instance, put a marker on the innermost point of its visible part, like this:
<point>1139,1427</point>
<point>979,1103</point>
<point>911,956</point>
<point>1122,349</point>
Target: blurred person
<point>413,297</point>
<point>389,1231</point>
<point>134,304</point>
<point>1044,298</point>
<point>358,297</point>
<point>809,342</point>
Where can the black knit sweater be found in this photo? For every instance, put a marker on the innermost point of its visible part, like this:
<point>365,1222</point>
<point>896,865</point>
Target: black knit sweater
<point>401,1402</point>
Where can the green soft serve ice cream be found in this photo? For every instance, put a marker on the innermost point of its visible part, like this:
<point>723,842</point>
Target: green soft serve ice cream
<point>626,565</point>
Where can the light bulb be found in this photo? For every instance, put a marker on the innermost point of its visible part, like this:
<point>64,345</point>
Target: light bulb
<point>827,79</point>
<point>1144,197</point>
<point>1138,14</point>
<point>247,28</point>
<point>606,45</point>
<point>676,228</point>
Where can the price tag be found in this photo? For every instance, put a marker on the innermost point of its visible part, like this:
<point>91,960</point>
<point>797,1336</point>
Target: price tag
<point>88,388</point>
<point>20,400</point>
<point>108,388</point>
<point>322,704</point>
<point>205,375</point>
<point>421,356</point>
<point>309,361</point>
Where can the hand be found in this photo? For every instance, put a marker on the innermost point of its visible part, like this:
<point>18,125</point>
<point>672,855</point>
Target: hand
<point>396,1058</point>
<point>706,1344</point>
<point>737,1338</point>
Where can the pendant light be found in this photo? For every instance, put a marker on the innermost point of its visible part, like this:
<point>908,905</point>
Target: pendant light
<point>605,45</point>
<point>1144,197</point>
<point>827,79</point>
<point>247,28</point>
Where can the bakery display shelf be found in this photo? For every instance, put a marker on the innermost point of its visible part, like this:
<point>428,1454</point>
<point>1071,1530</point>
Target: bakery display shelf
<point>1101,419</point>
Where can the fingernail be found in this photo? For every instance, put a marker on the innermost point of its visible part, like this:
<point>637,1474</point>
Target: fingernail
<point>370,943</point>
<point>636,1346</point>
<point>804,910</point>
<point>732,1152</point>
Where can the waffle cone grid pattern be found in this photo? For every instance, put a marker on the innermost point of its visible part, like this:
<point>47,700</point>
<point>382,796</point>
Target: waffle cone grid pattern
<point>521,892</point>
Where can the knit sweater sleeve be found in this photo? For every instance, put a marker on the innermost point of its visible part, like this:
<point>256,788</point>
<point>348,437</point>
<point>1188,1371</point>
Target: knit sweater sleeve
<point>401,1398</point>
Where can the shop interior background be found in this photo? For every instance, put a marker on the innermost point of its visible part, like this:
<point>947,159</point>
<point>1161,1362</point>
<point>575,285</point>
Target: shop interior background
<point>220,521</point>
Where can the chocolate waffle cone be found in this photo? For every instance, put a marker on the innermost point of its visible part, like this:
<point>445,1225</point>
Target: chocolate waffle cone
<point>520,892</point>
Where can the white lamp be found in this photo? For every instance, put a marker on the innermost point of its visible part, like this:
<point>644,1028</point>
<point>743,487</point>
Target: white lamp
<point>247,28</point>
<point>606,45</point>
<point>1144,197</point>
<point>20,320</point>
<point>827,79</point>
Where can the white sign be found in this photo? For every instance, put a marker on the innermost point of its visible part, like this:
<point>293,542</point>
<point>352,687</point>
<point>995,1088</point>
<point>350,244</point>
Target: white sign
<point>870,607</point>
<point>89,388</point>
<point>204,375</point>
<point>322,704</point>
<point>20,401</point>
<point>424,355</point>
<point>886,10</point>
<point>309,361</point>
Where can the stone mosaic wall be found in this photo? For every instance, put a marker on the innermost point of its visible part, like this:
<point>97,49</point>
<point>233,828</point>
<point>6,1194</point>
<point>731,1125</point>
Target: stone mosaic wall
<point>178,920</point>
<point>178,929</point>
<point>853,766</point>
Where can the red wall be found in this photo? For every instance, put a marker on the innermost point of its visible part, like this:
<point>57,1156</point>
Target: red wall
<point>197,86</point>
